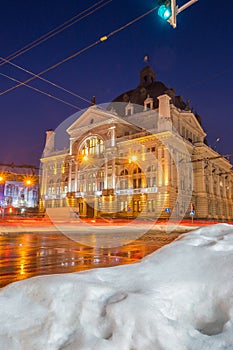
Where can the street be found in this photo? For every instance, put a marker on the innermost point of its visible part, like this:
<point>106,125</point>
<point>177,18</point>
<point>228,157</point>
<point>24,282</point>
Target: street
<point>28,254</point>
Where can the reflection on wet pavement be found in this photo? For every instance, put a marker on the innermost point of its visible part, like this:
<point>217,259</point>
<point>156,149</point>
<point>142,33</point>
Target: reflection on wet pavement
<point>24,255</point>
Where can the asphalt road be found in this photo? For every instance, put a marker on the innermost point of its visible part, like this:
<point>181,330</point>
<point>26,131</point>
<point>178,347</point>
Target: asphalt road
<point>27,254</point>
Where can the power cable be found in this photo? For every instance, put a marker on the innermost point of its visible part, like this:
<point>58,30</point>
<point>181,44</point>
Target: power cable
<point>45,37</point>
<point>103,38</point>
<point>40,91</point>
<point>45,80</point>
<point>56,30</point>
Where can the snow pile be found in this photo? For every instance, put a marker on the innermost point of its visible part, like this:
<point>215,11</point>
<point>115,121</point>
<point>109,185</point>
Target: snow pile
<point>180,297</point>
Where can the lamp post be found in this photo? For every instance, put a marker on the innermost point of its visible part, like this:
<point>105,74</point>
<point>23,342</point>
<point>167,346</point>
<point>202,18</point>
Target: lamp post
<point>28,184</point>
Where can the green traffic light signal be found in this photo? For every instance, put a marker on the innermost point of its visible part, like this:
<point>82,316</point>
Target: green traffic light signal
<point>164,11</point>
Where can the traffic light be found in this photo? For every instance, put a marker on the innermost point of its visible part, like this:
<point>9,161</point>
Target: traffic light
<point>168,11</point>
<point>165,10</point>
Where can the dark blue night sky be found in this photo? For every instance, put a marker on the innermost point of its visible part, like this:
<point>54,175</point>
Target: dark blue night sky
<point>195,59</point>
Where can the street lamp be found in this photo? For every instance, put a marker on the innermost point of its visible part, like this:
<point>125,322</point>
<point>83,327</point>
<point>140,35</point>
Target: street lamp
<point>28,182</point>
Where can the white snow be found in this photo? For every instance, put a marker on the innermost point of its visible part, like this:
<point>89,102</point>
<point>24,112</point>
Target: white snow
<point>178,298</point>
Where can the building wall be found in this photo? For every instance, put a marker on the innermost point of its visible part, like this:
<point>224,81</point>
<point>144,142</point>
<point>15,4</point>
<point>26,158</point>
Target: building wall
<point>139,172</point>
<point>16,191</point>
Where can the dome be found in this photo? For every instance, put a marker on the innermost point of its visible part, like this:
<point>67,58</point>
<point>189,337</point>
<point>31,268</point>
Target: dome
<point>148,86</point>
<point>147,76</point>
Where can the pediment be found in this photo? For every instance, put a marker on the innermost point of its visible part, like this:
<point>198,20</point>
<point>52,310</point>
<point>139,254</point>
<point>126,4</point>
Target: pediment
<point>193,122</point>
<point>91,118</point>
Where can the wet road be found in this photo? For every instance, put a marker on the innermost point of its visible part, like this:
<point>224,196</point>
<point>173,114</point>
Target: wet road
<point>23,255</point>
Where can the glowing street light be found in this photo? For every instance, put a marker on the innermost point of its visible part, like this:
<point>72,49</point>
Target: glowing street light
<point>28,182</point>
<point>134,158</point>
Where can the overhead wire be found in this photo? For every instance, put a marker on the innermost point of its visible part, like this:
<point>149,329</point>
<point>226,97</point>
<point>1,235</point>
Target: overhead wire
<point>40,91</point>
<point>57,30</point>
<point>45,80</point>
<point>45,37</point>
<point>42,72</point>
<point>100,40</point>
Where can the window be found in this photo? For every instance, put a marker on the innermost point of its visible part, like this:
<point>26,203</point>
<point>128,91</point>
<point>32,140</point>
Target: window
<point>137,206</point>
<point>137,171</point>
<point>151,168</point>
<point>92,146</point>
<point>134,183</point>
<point>151,206</point>
<point>148,182</point>
<point>124,206</point>
<point>124,172</point>
<point>153,181</point>
<point>139,182</point>
<point>123,184</point>
<point>100,186</point>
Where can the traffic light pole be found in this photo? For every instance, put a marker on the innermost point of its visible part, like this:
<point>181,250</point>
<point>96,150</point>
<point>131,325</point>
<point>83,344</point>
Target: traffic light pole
<point>182,8</point>
<point>176,10</point>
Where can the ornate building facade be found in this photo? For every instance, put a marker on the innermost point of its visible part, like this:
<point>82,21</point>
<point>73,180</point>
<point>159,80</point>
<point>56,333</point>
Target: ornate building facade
<point>145,155</point>
<point>19,186</point>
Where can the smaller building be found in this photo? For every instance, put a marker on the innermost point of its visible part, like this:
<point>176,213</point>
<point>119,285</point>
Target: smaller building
<point>19,186</point>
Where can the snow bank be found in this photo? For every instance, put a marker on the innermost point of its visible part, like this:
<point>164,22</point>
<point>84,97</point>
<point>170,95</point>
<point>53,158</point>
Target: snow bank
<point>178,298</point>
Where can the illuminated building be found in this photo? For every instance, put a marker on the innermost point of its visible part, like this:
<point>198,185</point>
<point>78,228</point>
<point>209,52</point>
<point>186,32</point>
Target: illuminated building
<point>18,187</point>
<point>146,154</point>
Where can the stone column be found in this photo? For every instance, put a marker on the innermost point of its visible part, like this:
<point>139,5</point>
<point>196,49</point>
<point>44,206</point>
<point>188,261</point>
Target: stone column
<point>160,167</point>
<point>76,177</point>
<point>106,172</point>
<point>70,177</point>
<point>113,135</point>
<point>167,167</point>
<point>113,173</point>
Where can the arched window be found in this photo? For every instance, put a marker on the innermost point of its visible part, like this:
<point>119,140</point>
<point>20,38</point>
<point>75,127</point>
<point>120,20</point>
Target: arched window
<point>137,170</point>
<point>51,187</point>
<point>151,168</point>
<point>92,146</point>
<point>124,172</point>
<point>137,178</point>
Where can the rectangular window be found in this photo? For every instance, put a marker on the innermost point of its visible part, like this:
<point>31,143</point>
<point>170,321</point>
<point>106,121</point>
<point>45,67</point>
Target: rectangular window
<point>100,186</point>
<point>140,182</point>
<point>124,206</point>
<point>153,181</point>
<point>148,182</point>
<point>153,205</point>
<point>149,206</point>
